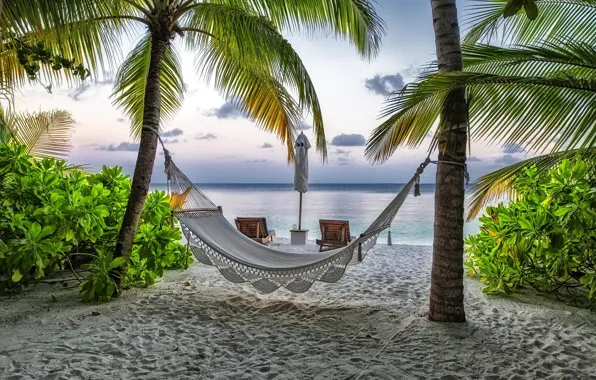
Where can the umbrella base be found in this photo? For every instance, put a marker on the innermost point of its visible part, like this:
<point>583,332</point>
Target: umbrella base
<point>298,237</point>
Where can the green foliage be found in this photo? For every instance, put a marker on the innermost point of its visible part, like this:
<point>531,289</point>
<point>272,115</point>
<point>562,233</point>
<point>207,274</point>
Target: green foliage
<point>53,215</point>
<point>32,56</point>
<point>546,239</point>
<point>156,244</point>
<point>532,87</point>
<point>100,285</point>
<point>514,6</point>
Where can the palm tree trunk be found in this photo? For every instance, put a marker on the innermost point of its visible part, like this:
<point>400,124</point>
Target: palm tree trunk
<point>147,150</point>
<point>447,289</point>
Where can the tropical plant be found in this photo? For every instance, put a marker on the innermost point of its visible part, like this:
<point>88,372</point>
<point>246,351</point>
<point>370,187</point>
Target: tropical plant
<point>240,48</point>
<point>54,217</point>
<point>52,40</point>
<point>515,6</point>
<point>545,240</point>
<point>535,90</point>
<point>43,134</point>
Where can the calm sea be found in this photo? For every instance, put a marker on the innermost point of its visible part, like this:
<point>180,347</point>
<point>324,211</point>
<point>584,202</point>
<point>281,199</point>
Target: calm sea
<point>358,203</point>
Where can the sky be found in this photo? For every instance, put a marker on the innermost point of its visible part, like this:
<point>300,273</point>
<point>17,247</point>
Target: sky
<point>213,143</point>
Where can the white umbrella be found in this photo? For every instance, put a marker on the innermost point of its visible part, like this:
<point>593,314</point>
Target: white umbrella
<point>301,147</point>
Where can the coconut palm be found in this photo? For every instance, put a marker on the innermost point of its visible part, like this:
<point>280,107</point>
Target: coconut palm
<point>535,89</point>
<point>446,294</point>
<point>239,48</point>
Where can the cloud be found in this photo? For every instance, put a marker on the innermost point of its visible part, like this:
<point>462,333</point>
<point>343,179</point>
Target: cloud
<point>228,110</point>
<point>171,141</point>
<point>171,153</point>
<point>341,152</point>
<point>348,140</point>
<point>412,71</point>
<point>507,160</point>
<point>122,147</point>
<point>344,160</point>
<point>78,92</point>
<point>266,146</point>
<point>385,84</point>
<point>256,161</point>
<point>173,133</point>
<point>121,120</point>
<point>206,136</point>
<point>304,127</point>
<point>474,159</point>
<point>513,148</point>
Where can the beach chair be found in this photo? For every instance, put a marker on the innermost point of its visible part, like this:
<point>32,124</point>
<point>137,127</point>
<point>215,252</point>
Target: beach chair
<point>334,234</point>
<point>255,229</point>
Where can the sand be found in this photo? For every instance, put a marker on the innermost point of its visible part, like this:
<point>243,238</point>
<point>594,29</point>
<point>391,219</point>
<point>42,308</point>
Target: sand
<point>370,325</point>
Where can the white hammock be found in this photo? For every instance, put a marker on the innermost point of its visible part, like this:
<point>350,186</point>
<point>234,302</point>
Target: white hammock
<point>214,241</point>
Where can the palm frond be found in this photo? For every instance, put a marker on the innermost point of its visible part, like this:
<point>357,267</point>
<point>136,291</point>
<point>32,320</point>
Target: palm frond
<point>131,81</point>
<point>83,30</point>
<point>499,184</point>
<point>411,115</point>
<point>353,20</point>
<point>252,88</point>
<point>556,19</point>
<point>44,134</point>
<point>548,59</point>
<point>538,113</point>
<point>257,42</point>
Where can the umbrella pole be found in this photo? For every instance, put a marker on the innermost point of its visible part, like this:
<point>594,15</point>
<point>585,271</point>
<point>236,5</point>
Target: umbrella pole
<point>300,214</point>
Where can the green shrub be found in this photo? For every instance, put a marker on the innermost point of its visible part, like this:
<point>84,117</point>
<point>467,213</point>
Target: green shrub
<point>54,217</point>
<point>545,240</point>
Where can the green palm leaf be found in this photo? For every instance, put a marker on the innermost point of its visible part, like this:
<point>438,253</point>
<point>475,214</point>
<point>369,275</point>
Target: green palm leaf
<point>532,112</point>
<point>548,59</point>
<point>254,41</point>
<point>556,19</point>
<point>83,30</point>
<point>259,94</point>
<point>44,134</point>
<point>353,20</point>
<point>131,81</point>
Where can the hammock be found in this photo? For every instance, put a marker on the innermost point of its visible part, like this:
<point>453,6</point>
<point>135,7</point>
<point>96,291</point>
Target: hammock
<point>214,241</point>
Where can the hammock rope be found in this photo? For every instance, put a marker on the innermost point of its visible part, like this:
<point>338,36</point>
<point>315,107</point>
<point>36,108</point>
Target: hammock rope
<point>214,241</point>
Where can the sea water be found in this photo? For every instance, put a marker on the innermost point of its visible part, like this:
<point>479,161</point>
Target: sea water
<point>360,204</point>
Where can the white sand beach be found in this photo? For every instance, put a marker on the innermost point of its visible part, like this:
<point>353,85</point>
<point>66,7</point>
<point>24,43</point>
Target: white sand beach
<point>370,325</point>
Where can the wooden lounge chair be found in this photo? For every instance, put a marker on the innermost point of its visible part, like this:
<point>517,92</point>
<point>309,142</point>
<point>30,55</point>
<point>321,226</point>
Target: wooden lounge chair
<point>334,234</point>
<point>256,229</point>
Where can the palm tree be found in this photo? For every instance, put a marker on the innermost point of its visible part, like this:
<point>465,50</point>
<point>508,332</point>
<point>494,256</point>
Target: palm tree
<point>536,91</point>
<point>446,297</point>
<point>447,288</point>
<point>240,48</point>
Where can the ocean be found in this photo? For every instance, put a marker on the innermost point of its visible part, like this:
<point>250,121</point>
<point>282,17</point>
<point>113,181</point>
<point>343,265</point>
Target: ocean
<point>358,203</point>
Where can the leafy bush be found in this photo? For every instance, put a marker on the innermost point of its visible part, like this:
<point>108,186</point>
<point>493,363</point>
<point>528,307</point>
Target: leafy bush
<point>546,239</point>
<point>54,217</point>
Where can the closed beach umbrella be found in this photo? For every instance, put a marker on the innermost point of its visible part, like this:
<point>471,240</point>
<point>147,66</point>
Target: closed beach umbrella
<point>301,147</point>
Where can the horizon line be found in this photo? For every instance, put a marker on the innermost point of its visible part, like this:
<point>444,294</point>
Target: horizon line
<point>290,183</point>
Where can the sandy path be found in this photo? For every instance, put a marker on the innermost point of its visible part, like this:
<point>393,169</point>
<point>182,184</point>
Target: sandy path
<point>371,325</point>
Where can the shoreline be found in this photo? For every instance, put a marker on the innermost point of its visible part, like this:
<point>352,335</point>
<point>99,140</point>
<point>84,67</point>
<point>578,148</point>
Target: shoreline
<point>369,325</point>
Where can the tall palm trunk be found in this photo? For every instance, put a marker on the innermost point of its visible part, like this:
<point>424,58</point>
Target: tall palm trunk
<point>147,149</point>
<point>446,294</point>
